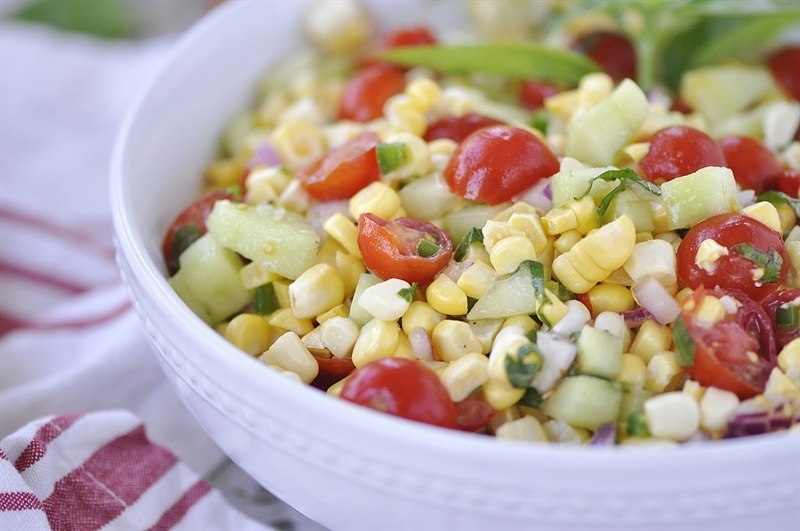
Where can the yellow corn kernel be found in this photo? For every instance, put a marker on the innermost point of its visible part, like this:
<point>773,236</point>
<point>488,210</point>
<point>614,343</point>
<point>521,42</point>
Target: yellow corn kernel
<point>567,240</point>
<point>249,332</point>
<point>553,309</point>
<point>766,213</point>
<point>285,319</point>
<point>336,388</point>
<point>445,296</point>
<point>486,330</point>
<point>585,264</point>
<point>523,321</point>
<point>610,297</point>
<point>294,197</point>
<point>327,251</point>
<point>340,310</point>
<point>403,116</point>
<point>559,220</point>
<point>651,338</point>
<point>315,291</point>
<point>350,269</point>
<point>253,276</point>
<point>661,369</point>
<point>476,279</point>
<point>500,394</point>
<point>289,353</point>
<point>282,292</point>
<point>633,372</point>
<point>420,314</point>
<point>222,173</point>
<point>264,185</point>
<point>789,356</point>
<point>338,27</point>
<point>612,244</point>
<point>464,375</point>
<point>709,311</point>
<point>585,214</point>
<point>404,348</point>
<point>378,339</point>
<point>569,275</point>
<point>506,254</point>
<point>343,231</point>
<point>376,198</point>
<point>338,335</point>
<point>454,339</point>
<point>423,93</point>
<point>530,224</point>
<point>787,216</point>
<point>779,384</point>
<point>299,143</point>
<point>526,428</point>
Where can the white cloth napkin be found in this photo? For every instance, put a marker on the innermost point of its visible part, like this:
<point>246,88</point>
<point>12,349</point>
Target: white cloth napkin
<point>76,373</point>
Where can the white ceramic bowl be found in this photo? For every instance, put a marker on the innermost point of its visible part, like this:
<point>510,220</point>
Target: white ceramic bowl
<point>345,466</point>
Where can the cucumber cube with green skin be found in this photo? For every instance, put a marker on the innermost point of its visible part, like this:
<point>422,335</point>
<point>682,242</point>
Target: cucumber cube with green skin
<point>599,352</point>
<point>627,203</point>
<point>276,239</point>
<point>718,92</point>
<point>506,297</point>
<point>568,185</point>
<point>597,136</point>
<point>692,198</point>
<point>584,401</point>
<point>459,223</point>
<point>358,314</point>
<point>208,280</point>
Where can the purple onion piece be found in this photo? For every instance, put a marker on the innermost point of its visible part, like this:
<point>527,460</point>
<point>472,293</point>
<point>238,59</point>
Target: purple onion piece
<point>634,318</point>
<point>605,435</point>
<point>758,423</point>
<point>264,155</point>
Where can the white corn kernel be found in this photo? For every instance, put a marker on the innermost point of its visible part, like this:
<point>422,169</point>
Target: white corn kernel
<point>614,323</point>
<point>653,258</point>
<point>708,253</point>
<point>316,291</point>
<point>577,315</point>
<point>661,369</point>
<point>289,353</point>
<point>338,26</point>
<point>674,416</point>
<point>717,407</point>
<point>339,335</point>
<point>384,300</point>
<point>462,376</point>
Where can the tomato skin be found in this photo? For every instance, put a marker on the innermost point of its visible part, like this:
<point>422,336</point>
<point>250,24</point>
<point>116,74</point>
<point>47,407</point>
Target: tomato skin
<point>679,150</point>
<point>389,248</point>
<point>784,65</point>
<point>754,166</point>
<point>473,414</point>
<point>331,370</point>
<point>457,128</point>
<point>404,388</point>
<point>532,93</point>
<point>789,183</point>
<point>614,53</point>
<point>731,271</point>
<point>779,297</point>
<point>367,91</point>
<point>410,36</point>
<point>193,215</point>
<point>720,357</point>
<point>495,163</point>
<point>344,171</point>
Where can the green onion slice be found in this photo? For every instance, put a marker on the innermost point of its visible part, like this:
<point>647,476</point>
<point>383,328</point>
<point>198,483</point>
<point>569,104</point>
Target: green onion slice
<point>787,315</point>
<point>771,261</point>
<point>427,248</point>
<point>265,299</point>
<point>684,344</point>
<point>391,156</point>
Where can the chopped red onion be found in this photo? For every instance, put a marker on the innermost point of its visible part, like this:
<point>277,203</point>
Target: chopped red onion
<point>759,422</point>
<point>658,301</point>
<point>635,318</point>
<point>605,435</point>
<point>421,344</point>
<point>264,155</point>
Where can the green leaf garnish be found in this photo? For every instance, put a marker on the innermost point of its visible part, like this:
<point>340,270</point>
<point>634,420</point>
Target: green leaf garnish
<point>519,60</point>
<point>108,19</point>
<point>624,176</point>
<point>770,261</point>
<point>531,398</point>
<point>684,344</point>
<point>409,292</point>
<point>776,198</point>
<point>637,425</point>
<point>523,366</point>
<point>473,236</point>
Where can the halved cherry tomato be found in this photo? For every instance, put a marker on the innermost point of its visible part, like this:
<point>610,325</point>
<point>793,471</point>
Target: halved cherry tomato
<point>343,171</point>
<point>495,163</point>
<point>783,296</point>
<point>679,150</point>
<point>784,65</point>
<point>532,93</point>
<point>457,128</point>
<point>402,387</point>
<point>740,235</point>
<point>367,91</point>
<point>723,351</point>
<point>391,249</point>
<point>410,36</point>
<point>188,226</point>
<point>473,414</point>
<point>754,166</point>
<point>331,370</point>
<point>789,183</point>
<point>612,51</point>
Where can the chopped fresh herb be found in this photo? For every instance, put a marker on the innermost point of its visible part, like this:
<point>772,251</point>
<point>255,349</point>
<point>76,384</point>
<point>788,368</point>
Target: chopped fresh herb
<point>637,425</point>
<point>523,366</point>
<point>540,120</point>
<point>776,198</point>
<point>771,261</point>
<point>531,398</point>
<point>265,299</point>
<point>560,290</point>
<point>109,19</point>
<point>473,236</point>
<point>520,60</point>
<point>181,240</point>
<point>391,156</point>
<point>787,315</point>
<point>623,176</point>
<point>684,344</point>
<point>427,248</point>
<point>532,334</point>
<point>409,292</point>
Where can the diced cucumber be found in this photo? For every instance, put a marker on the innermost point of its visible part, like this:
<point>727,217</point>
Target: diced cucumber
<point>460,222</point>
<point>632,402</point>
<point>627,203</point>
<point>599,352</point>
<point>208,280</point>
<point>357,313</point>
<point>428,198</point>
<point>597,136</point>
<point>568,185</point>
<point>274,238</point>
<point>692,198</point>
<point>584,401</point>
<point>512,295</point>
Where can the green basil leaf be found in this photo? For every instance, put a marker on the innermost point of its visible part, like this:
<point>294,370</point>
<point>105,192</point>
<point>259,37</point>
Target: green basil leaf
<point>475,235</point>
<point>771,261</point>
<point>523,366</point>
<point>776,198</point>
<point>519,60</point>
<point>408,293</point>
<point>624,175</point>
<point>684,344</point>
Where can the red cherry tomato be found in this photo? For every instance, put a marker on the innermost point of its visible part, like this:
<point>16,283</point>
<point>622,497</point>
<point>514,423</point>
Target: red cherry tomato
<point>391,249</point>
<point>402,387</point>
<point>679,150</point>
<point>784,65</point>
<point>331,370</point>
<point>784,333</point>
<point>789,183</point>
<point>473,414</point>
<point>754,166</point>
<point>495,163</point>
<point>612,51</point>
<point>343,171</point>
<point>721,349</point>
<point>532,93</point>
<point>734,270</point>
<point>367,91</point>
<point>411,36</point>
<point>188,226</point>
<point>457,128</point>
